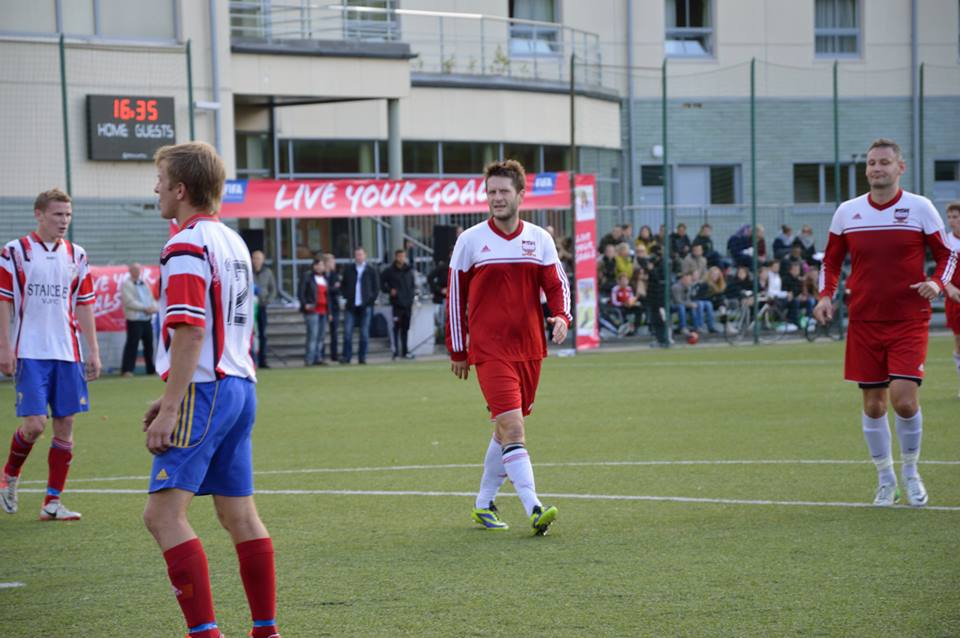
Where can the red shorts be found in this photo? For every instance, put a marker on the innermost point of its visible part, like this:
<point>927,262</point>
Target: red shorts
<point>952,309</point>
<point>879,350</point>
<point>508,385</point>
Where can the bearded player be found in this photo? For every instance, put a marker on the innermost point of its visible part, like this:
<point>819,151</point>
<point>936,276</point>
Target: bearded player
<point>886,233</point>
<point>494,322</point>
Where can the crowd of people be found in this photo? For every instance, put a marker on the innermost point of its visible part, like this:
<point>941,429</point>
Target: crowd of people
<point>703,282</point>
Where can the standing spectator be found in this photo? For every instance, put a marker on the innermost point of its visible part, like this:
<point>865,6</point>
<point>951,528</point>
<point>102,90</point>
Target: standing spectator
<point>615,236</point>
<point>646,239</point>
<point>360,286</point>
<point>607,269</point>
<point>694,264</point>
<point>809,246</point>
<point>398,282</point>
<point>783,242</point>
<point>314,297</point>
<point>656,315</point>
<point>266,290</point>
<point>139,306</point>
<point>437,280</point>
<point>333,300</point>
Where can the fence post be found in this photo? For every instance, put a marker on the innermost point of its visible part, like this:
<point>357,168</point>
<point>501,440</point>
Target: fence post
<point>573,171</point>
<point>667,320</point>
<point>66,126</point>
<point>753,200</point>
<point>193,135</point>
<point>836,139</point>
<point>919,185</point>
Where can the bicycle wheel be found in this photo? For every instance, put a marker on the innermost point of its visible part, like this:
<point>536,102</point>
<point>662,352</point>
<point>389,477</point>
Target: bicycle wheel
<point>812,330</point>
<point>737,328</point>
<point>774,323</point>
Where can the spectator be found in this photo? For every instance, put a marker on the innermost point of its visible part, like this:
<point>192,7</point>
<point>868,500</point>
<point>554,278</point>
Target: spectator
<point>622,297</point>
<point>704,238</point>
<point>783,242</point>
<point>714,288</point>
<point>740,246</point>
<point>360,286</point>
<point>139,306</point>
<point>809,247</point>
<point>398,282</point>
<point>694,264</point>
<point>796,296</point>
<point>646,239</point>
<point>615,236</point>
<point>795,256</point>
<point>624,261</point>
<point>566,251</point>
<point>811,289</point>
<point>314,297</point>
<point>701,311</point>
<point>607,269</point>
<point>740,287</point>
<point>333,300</point>
<point>437,280</point>
<point>774,289</point>
<point>761,244</point>
<point>266,290</point>
<point>679,243</point>
<point>656,315</point>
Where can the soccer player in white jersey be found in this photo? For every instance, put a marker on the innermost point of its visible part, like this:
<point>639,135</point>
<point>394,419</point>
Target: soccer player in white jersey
<point>494,321</point>
<point>199,430</point>
<point>952,308</point>
<point>47,293</point>
<point>886,233</point>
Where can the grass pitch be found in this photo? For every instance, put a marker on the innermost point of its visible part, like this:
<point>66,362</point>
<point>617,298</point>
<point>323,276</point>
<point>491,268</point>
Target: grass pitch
<point>366,476</point>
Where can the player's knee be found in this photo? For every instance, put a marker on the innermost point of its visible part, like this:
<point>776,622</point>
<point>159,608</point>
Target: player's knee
<point>510,429</point>
<point>906,407</point>
<point>33,427</point>
<point>874,409</point>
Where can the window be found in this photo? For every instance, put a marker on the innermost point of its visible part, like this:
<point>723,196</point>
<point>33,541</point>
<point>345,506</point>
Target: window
<point>837,28</point>
<point>420,157</point>
<point>815,183</point>
<point>123,19</point>
<point>689,28</point>
<point>946,171</point>
<point>946,180</point>
<point>332,156</point>
<point>526,154</point>
<point>253,154</point>
<point>651,175</point>
<point>723,184</point>
<point>528,39</point>
<point>556,158</point>
<point>467,158</point>
<point>381,24</point>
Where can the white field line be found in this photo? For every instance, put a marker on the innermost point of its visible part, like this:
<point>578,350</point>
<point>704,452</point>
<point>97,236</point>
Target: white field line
<point>11,585</point>
<point>587,497</point>
<point>457,466</point>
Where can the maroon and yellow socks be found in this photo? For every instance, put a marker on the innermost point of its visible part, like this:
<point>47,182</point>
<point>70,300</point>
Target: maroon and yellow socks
<point>259,581</point>
<point>58,460</point>
<point>187,568</point>
<point>19,450</point>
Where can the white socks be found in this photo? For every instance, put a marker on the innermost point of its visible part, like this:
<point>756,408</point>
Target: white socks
<point>493,475</point>
<point>956,359</point>
<point>516,461</point>
<point>910,432</point>
<point>877,433</point>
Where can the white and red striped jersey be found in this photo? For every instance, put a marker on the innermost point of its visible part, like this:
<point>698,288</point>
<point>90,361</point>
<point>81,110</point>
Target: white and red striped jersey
<point>45,283</point>
<point>887,246</point>
<point>493,293</point>
<point>206,280</point>
<point>953,241</point>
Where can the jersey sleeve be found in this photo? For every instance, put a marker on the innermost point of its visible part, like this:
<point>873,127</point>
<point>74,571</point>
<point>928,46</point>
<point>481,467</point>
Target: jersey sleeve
<point>554,282</point>
<point>6,274</point>
<point>85,295</point>
<point>184,271</point>
<point>935,237</point>
<point>458,287</point>
<point>834,254</point>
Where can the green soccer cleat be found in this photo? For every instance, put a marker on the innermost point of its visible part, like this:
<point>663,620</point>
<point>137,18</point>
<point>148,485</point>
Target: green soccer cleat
<point>541,519</point>
<point>489,518</point>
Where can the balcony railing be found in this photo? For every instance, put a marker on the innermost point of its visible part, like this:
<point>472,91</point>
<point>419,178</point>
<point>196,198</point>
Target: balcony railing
<point>445,43</point>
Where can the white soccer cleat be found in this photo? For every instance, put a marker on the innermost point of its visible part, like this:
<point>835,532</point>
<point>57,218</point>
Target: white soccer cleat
<point>887,495</point>
<point>8,493</point>
<point>57,511</point>
<point>916,492</point>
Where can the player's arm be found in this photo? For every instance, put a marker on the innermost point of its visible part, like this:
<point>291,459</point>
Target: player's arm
<point>161,419</point>
<point>834,254</point>
<point>946,270</point>
<point>88,325</point>
<point>455,333</point>
<point>7,358</point>
<point>556,286</point>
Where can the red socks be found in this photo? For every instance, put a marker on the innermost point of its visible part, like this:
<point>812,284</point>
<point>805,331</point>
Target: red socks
<point>260,583</point>
<point>187,568</point>
<point>19,449</point>
<point>61,453</point>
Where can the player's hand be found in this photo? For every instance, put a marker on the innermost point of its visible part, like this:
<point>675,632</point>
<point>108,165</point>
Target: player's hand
<point>460,368</point>
<point>952,292</point>
<point>91,367</point>
<point>559,329</point>
<point>151,414</point>
<point>7,360</point>
<point>160,431</point>
<point>929,289</point>
<point>823,311</point>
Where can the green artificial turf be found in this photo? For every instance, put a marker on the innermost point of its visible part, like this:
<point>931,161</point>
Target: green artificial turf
<point>413,565</point>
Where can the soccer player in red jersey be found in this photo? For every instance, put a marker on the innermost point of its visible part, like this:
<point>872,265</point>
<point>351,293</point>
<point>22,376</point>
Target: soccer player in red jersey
<point>952,308</point>
<point>199,430</point>
<point>494,322</point>
<point>46,289</point>
<point>886,233</point>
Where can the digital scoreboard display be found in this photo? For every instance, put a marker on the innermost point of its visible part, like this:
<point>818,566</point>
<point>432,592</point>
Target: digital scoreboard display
<point>128,127</point>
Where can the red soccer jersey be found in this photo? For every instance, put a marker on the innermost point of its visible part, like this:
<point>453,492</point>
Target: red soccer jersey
<point>621,295</point>
<point>887,248</point>
<point>321,307</point>
<point>493,293</point>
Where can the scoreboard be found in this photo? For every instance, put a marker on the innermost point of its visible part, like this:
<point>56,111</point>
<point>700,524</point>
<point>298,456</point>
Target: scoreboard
<point>128,127</point>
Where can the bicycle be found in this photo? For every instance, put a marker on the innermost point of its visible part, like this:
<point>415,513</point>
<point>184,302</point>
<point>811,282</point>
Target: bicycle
<point>738,325</point>
<point>832,330</point>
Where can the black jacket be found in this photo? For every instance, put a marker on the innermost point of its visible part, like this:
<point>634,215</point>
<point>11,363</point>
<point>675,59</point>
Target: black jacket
<point>333,292</point>
<point>401,280</point>
<point>369,286</point>
<point>437,279</point>
<point>308,291</point>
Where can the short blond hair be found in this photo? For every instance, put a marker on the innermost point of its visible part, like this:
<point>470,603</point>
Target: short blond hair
<point>885,142</point>
<point>197,166</point>
<point>55,194</point>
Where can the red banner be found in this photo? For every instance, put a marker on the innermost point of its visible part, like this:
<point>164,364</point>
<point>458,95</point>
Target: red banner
<point>585,230</point>
<point>360,198</point>
<point>108,308</point>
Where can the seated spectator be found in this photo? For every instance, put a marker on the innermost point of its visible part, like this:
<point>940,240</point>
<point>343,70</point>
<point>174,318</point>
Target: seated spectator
<point>796,297</point>
<point>761,243</point>
<point>701,311</point>
<point>795,256</point>
<point>607,269</point>
<point>740,287</point>
<point>646,239</point>
<point>714,288</point>
<point>695,263</point>
<point>740,246</point>
<point>624,260</point>
<point>704,238</point>
<point>774,288</point>
<point>809,247</point>
<point>811,288</point>
<point>783,242</point>
<point>679,246</point>
<point>614,237</point>
<point>622,297</point>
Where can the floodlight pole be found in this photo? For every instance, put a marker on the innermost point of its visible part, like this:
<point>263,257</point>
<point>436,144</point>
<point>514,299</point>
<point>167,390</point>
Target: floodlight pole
<point>665,249</point>
<point>66,126</point>
<point>753,200</point>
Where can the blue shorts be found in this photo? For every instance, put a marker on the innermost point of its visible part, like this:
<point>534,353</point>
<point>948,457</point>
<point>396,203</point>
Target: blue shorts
<point>211,451</point>
<point>61,385</point>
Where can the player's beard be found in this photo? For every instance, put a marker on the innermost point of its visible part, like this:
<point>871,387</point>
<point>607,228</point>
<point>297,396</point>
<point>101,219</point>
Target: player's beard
<point>508,214</point>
